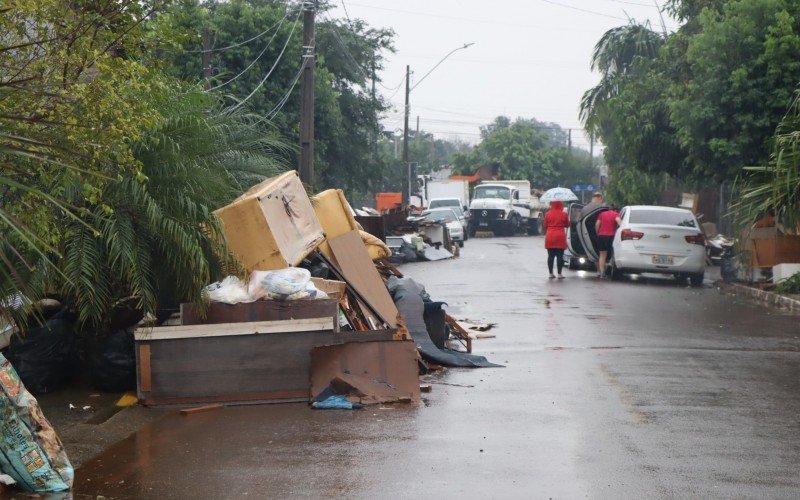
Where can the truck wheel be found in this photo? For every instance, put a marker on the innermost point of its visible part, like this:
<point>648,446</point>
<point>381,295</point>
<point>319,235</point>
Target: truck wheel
<point>514,227</point>
<point>535,227</point>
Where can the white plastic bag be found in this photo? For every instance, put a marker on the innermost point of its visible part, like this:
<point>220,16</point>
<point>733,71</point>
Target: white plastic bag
<point>231,290</point>
<point>280,284</point>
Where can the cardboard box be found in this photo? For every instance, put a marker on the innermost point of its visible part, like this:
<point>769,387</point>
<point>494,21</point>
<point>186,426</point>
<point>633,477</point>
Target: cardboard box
<point>273,225</point>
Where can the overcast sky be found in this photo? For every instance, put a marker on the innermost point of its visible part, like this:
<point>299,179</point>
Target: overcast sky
<point>530,58</point>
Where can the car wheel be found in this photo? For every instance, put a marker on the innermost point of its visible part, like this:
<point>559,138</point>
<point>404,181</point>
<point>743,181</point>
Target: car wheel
<point>616,272</point>
<point>696,279</point>
<point>471,231</point>
<point>461,244</point>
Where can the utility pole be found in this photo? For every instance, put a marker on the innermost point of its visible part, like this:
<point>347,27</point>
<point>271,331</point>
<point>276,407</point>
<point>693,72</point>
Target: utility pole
<point>205,58</point>
<point>406,175</point>
<point>416,137</point>
<point>307,95</point>
<point>374,103</point>
<point>569,141</point>
<point>591,158</point>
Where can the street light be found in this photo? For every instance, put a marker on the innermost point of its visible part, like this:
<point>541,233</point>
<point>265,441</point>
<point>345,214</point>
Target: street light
<point>406,166</point>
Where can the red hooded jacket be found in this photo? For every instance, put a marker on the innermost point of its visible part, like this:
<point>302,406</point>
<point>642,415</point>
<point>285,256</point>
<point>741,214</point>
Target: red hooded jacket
<point>556,222</point>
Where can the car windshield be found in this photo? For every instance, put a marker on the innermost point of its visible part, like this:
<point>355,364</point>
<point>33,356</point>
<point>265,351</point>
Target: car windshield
<point>500,193</point>
<point>447,215</point>
<point>444,203</point>
<point>665,217</point>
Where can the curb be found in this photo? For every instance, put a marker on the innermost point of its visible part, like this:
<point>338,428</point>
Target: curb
<point>769,298</point>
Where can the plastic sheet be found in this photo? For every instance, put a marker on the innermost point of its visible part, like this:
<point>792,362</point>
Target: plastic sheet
<point>408,296</point>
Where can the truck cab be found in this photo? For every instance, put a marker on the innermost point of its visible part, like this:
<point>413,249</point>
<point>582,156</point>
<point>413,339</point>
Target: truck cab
<point>505,208</point>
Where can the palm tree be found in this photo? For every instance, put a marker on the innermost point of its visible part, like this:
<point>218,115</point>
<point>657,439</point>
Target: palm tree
<point>153,241</point>
<point>615,57</point>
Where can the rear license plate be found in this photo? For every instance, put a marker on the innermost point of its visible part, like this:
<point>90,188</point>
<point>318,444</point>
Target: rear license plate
<point>663,260</point>
<point>483,224</point>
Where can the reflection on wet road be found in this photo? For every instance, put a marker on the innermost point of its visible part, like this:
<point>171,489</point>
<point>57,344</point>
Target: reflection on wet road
<point>633,389</point>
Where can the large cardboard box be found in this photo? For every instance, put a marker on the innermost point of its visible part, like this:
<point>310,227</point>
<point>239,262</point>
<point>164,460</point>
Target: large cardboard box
<point>272,225</point>
<point>769,248</point>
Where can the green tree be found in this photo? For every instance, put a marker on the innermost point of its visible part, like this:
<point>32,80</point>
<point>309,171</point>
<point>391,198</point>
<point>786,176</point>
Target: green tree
<point>743,63</point>
<point>72,96</point>
<point>527,149</point>
<point>349,57</point>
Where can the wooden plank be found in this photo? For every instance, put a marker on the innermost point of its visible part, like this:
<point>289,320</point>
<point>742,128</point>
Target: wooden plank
<point>361,274</point>
<point>238,398</point>
<point>233,329</point>
<point>201,409</point>
<point>145,380</point>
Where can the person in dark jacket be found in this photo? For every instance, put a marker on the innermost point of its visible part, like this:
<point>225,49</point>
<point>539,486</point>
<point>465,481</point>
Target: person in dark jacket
<point>556,222</point>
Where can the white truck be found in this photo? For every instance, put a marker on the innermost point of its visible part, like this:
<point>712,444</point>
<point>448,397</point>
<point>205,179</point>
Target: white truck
<point>505,208</point>
<point>446,189</point>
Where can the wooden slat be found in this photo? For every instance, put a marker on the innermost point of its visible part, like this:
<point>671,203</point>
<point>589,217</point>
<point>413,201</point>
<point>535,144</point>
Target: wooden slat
<point>145,380</point>
<point>360,273</point>
<point>232,329</point>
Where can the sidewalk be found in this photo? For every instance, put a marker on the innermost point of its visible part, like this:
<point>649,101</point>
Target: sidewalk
<point>786,302</point>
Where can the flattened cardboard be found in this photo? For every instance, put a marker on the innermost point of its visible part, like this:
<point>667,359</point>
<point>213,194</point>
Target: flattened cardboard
<point>273,225</point>
<point>359,271</point>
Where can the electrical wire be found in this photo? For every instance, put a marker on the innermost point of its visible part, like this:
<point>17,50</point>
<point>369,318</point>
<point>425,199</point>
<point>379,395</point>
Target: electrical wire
<point>269,43</point>
<point>353,59</point>
<point>263,80</point>
<point>285,15</point>
<point>278,107</point>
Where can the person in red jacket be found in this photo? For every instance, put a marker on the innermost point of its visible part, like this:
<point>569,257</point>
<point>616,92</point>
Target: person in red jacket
<point>556,222</point>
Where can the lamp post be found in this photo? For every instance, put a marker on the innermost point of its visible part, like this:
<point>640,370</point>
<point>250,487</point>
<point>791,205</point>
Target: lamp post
<point>406,166</point>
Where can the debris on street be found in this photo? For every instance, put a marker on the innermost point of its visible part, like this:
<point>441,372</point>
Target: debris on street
<point>322,302</point>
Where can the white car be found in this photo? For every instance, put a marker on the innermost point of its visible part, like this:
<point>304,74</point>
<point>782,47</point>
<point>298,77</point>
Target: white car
<point>651,239</point>
<point>454,227</point>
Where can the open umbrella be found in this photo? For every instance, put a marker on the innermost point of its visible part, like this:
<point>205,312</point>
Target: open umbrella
<point>558,194</point>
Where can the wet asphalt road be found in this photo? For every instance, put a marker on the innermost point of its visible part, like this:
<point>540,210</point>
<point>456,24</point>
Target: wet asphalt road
<point>634,389</point>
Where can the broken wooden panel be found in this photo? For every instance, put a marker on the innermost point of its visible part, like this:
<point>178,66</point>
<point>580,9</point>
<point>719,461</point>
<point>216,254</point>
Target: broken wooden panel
<point>230,363</point>
<point>371,372</point>
<point>360,273</point>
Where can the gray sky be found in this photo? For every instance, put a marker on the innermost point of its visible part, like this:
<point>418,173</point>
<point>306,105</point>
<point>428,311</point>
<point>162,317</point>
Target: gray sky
<point>530,58</point>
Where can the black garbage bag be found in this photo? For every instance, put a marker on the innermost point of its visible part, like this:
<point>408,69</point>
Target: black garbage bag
<point>114,366</point>
<point>436,323</point>
<point>46,358</point>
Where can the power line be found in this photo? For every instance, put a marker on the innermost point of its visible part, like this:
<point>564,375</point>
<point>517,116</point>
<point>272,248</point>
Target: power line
<point>263,80</point>
<point>272,38</point>
<point>244,42</point>
<point>584,10</point>
<point>282,102</point>
<point>353,59</point>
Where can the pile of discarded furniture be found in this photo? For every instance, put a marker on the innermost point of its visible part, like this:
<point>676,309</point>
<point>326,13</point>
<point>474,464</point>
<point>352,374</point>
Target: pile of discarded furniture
<point>322,316</point>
